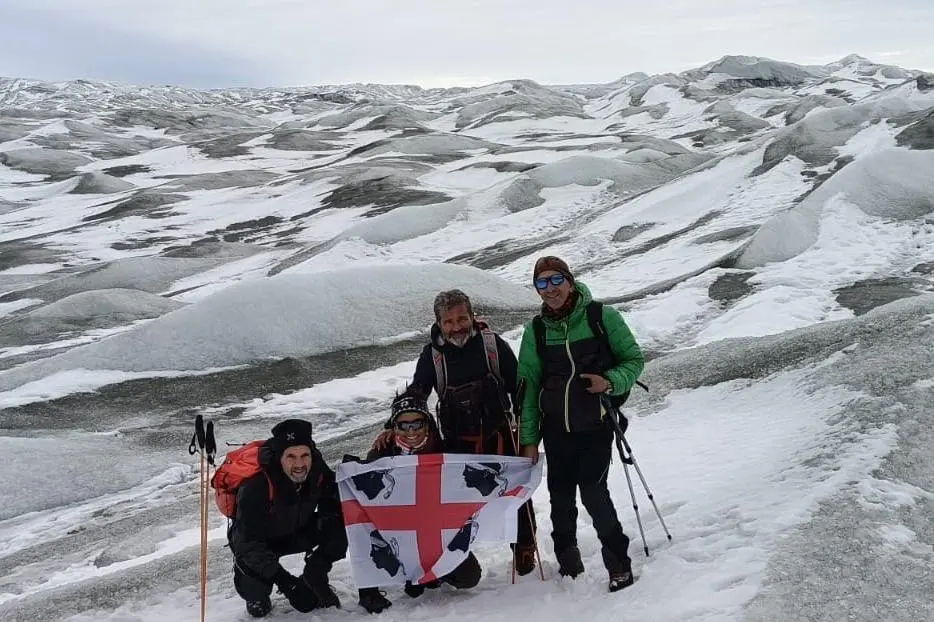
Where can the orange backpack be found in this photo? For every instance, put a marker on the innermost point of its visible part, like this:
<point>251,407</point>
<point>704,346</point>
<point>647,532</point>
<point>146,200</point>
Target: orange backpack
<point>239,465</point>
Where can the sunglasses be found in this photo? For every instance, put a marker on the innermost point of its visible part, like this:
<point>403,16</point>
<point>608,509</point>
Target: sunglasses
<point>555,279</point>
<point>410,426</point>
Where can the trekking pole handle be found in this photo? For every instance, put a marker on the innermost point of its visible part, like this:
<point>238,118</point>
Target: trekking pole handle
<point>199,430</point>
<point>620,433</point>
<point>197,439</point>
<point>616,414</point>
<point>210,443</point>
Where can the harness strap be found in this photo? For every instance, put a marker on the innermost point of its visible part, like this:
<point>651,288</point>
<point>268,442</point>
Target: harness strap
<point>492,352</point>
<point>492,359</point>
<point>441,371</point>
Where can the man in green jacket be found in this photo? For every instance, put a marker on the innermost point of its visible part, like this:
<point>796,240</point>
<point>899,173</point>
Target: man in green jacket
<point>564,405</point>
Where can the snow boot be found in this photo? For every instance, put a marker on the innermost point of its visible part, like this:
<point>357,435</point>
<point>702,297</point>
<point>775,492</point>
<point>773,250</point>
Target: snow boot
<point>620,571</point>
<point>259,608</point>
<point>569,562</point>
<point>414,590</point>
<point>373,600</point>
<point>524,558</point>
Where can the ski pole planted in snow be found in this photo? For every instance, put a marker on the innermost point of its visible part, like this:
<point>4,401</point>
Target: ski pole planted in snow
<point>514,437</point>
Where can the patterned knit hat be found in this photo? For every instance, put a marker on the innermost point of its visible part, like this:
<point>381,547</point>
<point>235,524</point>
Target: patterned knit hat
<point>550,262</point>
<point>409,402</point>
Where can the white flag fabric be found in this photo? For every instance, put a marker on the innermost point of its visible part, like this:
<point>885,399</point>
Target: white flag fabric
<point>414,518</point>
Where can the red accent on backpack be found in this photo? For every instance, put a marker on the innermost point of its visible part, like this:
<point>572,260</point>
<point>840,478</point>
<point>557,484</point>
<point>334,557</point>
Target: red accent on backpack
<point>239,465</point>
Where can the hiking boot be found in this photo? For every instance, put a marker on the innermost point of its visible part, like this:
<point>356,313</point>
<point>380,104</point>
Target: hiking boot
<point>259,608</point>
<point>417,589</point>
<point>413,590</point>
<point>373,600</point>
<point>569,562</point>
<point>621,580</point>
<point>524,558</point>
<point>620,571</point>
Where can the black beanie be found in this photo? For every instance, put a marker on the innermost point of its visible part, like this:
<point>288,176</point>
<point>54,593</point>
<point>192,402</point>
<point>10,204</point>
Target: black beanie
<point>289,433</point>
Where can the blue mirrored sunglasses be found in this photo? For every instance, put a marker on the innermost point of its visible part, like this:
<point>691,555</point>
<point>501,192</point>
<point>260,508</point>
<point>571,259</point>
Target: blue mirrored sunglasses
<point>543,281</point>
<point>410,426</point>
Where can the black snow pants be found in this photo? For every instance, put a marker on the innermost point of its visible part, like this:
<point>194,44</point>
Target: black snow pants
<point>252,587</point>
<point>582,460</point>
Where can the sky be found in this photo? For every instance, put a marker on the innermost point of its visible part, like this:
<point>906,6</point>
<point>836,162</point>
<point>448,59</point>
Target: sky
<point>217,43</point>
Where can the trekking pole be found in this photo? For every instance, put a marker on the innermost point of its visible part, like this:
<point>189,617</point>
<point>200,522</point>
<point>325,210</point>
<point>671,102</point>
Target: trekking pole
<point>632,494</point>
<point>204,444</point>
<point>628,458</point>
<point>514,437</point>
<point>645,485</point>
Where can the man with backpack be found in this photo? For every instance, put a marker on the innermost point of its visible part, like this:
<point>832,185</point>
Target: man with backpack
<point>290,505</point>
<point>577,361</point>
<point>473,372</point>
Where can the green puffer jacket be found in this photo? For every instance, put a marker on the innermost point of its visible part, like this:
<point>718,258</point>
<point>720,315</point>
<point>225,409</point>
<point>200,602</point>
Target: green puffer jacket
<point>555,398</point>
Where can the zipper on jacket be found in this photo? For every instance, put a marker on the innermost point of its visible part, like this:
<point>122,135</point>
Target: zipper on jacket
<point>567,387</point>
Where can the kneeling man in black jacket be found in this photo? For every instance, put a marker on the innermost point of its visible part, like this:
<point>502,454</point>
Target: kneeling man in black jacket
<point>291,507</point>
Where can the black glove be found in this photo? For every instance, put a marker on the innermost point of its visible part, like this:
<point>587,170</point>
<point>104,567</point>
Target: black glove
<point>316,569</point>
<point>299,595</point>
<point>284,580</point>
<point>315,575</point>
<point>324,595</point>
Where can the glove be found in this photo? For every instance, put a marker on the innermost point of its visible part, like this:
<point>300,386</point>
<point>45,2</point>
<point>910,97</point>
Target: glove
<point>324,595</point>
<point>296,591</point>
<point>315,576</point>
<point>300,596</point>
<point>382,440</point>
<point>316,569</point>
<point>284,580</point>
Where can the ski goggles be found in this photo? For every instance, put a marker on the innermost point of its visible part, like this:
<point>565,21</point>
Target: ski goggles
<point>410,426</point>
<point>555,279</point>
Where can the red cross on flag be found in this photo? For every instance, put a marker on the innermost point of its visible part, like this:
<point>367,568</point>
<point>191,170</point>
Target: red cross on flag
<point>414,518</point>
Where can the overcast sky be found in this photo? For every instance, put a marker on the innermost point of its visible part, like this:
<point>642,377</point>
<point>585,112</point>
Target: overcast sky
<point>216,43</point>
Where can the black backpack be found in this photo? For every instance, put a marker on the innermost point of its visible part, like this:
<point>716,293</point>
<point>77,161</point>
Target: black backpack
<point>597,327</point>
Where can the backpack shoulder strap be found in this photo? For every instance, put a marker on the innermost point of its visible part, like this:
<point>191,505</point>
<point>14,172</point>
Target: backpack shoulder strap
<point>595,319</point>
<point>492,352</point>
<point>538,327</point>
<point>597,327</point>
<point>437,358</point>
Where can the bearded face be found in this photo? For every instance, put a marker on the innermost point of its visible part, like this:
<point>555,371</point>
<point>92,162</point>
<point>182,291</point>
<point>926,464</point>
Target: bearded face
<point>457,325</point>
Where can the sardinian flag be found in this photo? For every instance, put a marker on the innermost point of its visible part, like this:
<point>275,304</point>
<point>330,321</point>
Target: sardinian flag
<point>414,518</point>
